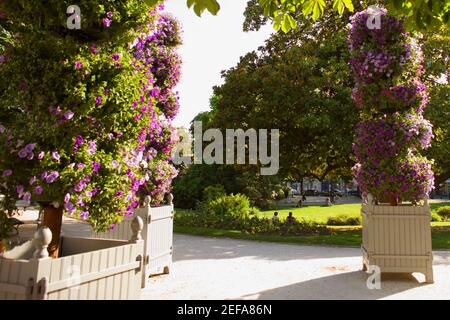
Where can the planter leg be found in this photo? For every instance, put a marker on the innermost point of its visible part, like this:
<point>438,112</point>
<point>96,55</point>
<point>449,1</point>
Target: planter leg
<point>166,270</point>
<point>364,267</point>
<point>429,278</point>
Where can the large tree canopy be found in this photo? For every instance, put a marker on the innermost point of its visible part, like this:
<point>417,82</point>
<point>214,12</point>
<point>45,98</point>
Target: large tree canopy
<point>422,14</point>
<point>300,84</point>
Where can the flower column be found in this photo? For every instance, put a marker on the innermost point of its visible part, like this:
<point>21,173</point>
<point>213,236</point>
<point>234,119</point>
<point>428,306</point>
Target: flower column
<point>387,65</point>
<point>85,115</point>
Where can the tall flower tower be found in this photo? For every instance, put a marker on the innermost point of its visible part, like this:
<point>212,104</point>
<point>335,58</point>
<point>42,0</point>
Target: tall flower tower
<point>395,179</point>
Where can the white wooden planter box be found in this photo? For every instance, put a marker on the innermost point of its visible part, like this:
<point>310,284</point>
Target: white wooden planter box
<point>88,269</point>
<point>157,235</point>
<point>397,239</point>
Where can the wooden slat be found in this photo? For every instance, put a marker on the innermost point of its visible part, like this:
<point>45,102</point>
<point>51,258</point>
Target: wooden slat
<point>101,275</point>
<point>109,287</point>
<point>94,268</point>
<point>15,289</point>
<point>85,269</point>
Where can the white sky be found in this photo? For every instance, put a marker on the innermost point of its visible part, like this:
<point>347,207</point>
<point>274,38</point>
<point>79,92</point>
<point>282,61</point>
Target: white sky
<point>210,44</point>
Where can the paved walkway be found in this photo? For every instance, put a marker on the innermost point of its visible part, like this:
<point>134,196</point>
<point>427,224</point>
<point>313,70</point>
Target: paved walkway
<point>213,268</point>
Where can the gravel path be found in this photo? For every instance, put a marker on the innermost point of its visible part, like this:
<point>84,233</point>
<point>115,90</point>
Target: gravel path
<point>210,268</point>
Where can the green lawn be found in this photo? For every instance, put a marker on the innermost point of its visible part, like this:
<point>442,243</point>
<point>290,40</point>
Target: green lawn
<point>320,214</point>
<point>440,238</point>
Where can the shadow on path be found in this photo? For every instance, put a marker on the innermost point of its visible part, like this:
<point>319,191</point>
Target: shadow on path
<point>198,248</point>
<point>350,285</point>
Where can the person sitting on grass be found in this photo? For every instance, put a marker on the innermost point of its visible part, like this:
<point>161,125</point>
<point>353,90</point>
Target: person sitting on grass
<point>275,217</point>
<point>290,219</point>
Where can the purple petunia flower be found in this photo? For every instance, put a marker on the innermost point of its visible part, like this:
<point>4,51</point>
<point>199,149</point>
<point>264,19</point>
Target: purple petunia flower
<point>80,186</point>
<point>27,197</point>
<point>81,166</point>
<point>20,189</point>
<point>78,65</point>
<point>32,180</point>
<point>41,155</point>
<point>70,208</point>
<point>2,129</point>
<point>38,190</point>
<point>92,147</point>
<point>107,22</point>
<point>94,49</point>
<point>68,115</point>
<point>56,156</point>
<point>115,57</point>
<point>98,100</point>
<point>52,177</point>
<point>67,198</point>
<point>7,173</point>
<point>30,147</point>
<point>84,215</point>
<point>79,140</point>
<point>96,166</point>
<point>23,153</point>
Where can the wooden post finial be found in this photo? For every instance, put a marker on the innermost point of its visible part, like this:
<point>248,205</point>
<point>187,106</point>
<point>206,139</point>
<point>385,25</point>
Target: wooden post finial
<point>170,199</point>
<point>136,226</point>
<point>42,238</point>
<point>147,201</point>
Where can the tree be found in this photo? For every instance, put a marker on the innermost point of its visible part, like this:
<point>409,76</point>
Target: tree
<point>85,114</point>
<point>437,66</point>
<point>421,14</point>
<point>299,83</point>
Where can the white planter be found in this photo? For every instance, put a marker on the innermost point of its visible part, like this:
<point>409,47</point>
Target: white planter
<point>88,269</point>
<point>157,235</point>
<point>397,239</point>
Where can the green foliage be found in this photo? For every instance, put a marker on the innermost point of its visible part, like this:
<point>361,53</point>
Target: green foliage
<point>299,83</point>
<point>344,220</point>
<point>213,192</point>
<point>435,217</point>
<point>421,14</point>
<point>444,212</point>
<point>437,66</point>
<point>5,225</point>
<point>233,205</point>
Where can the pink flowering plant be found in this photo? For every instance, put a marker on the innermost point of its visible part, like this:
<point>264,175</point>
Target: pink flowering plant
<point>85,118</point>
<point>387,65</point>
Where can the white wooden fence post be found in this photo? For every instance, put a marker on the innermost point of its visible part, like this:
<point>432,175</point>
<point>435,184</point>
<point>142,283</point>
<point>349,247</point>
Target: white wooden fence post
<point>42,238</point>
<point>137,225</point>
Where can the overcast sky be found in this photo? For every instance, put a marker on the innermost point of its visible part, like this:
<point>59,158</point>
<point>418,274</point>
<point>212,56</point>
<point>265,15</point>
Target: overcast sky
<point>211,44</point>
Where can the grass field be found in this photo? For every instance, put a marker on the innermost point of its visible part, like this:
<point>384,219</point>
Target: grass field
<point>320,214</point>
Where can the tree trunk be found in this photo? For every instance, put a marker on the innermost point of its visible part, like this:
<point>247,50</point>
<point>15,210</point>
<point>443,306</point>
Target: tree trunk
<point>393,200</point>
<point>2,246</point>
<point>53,220</point>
